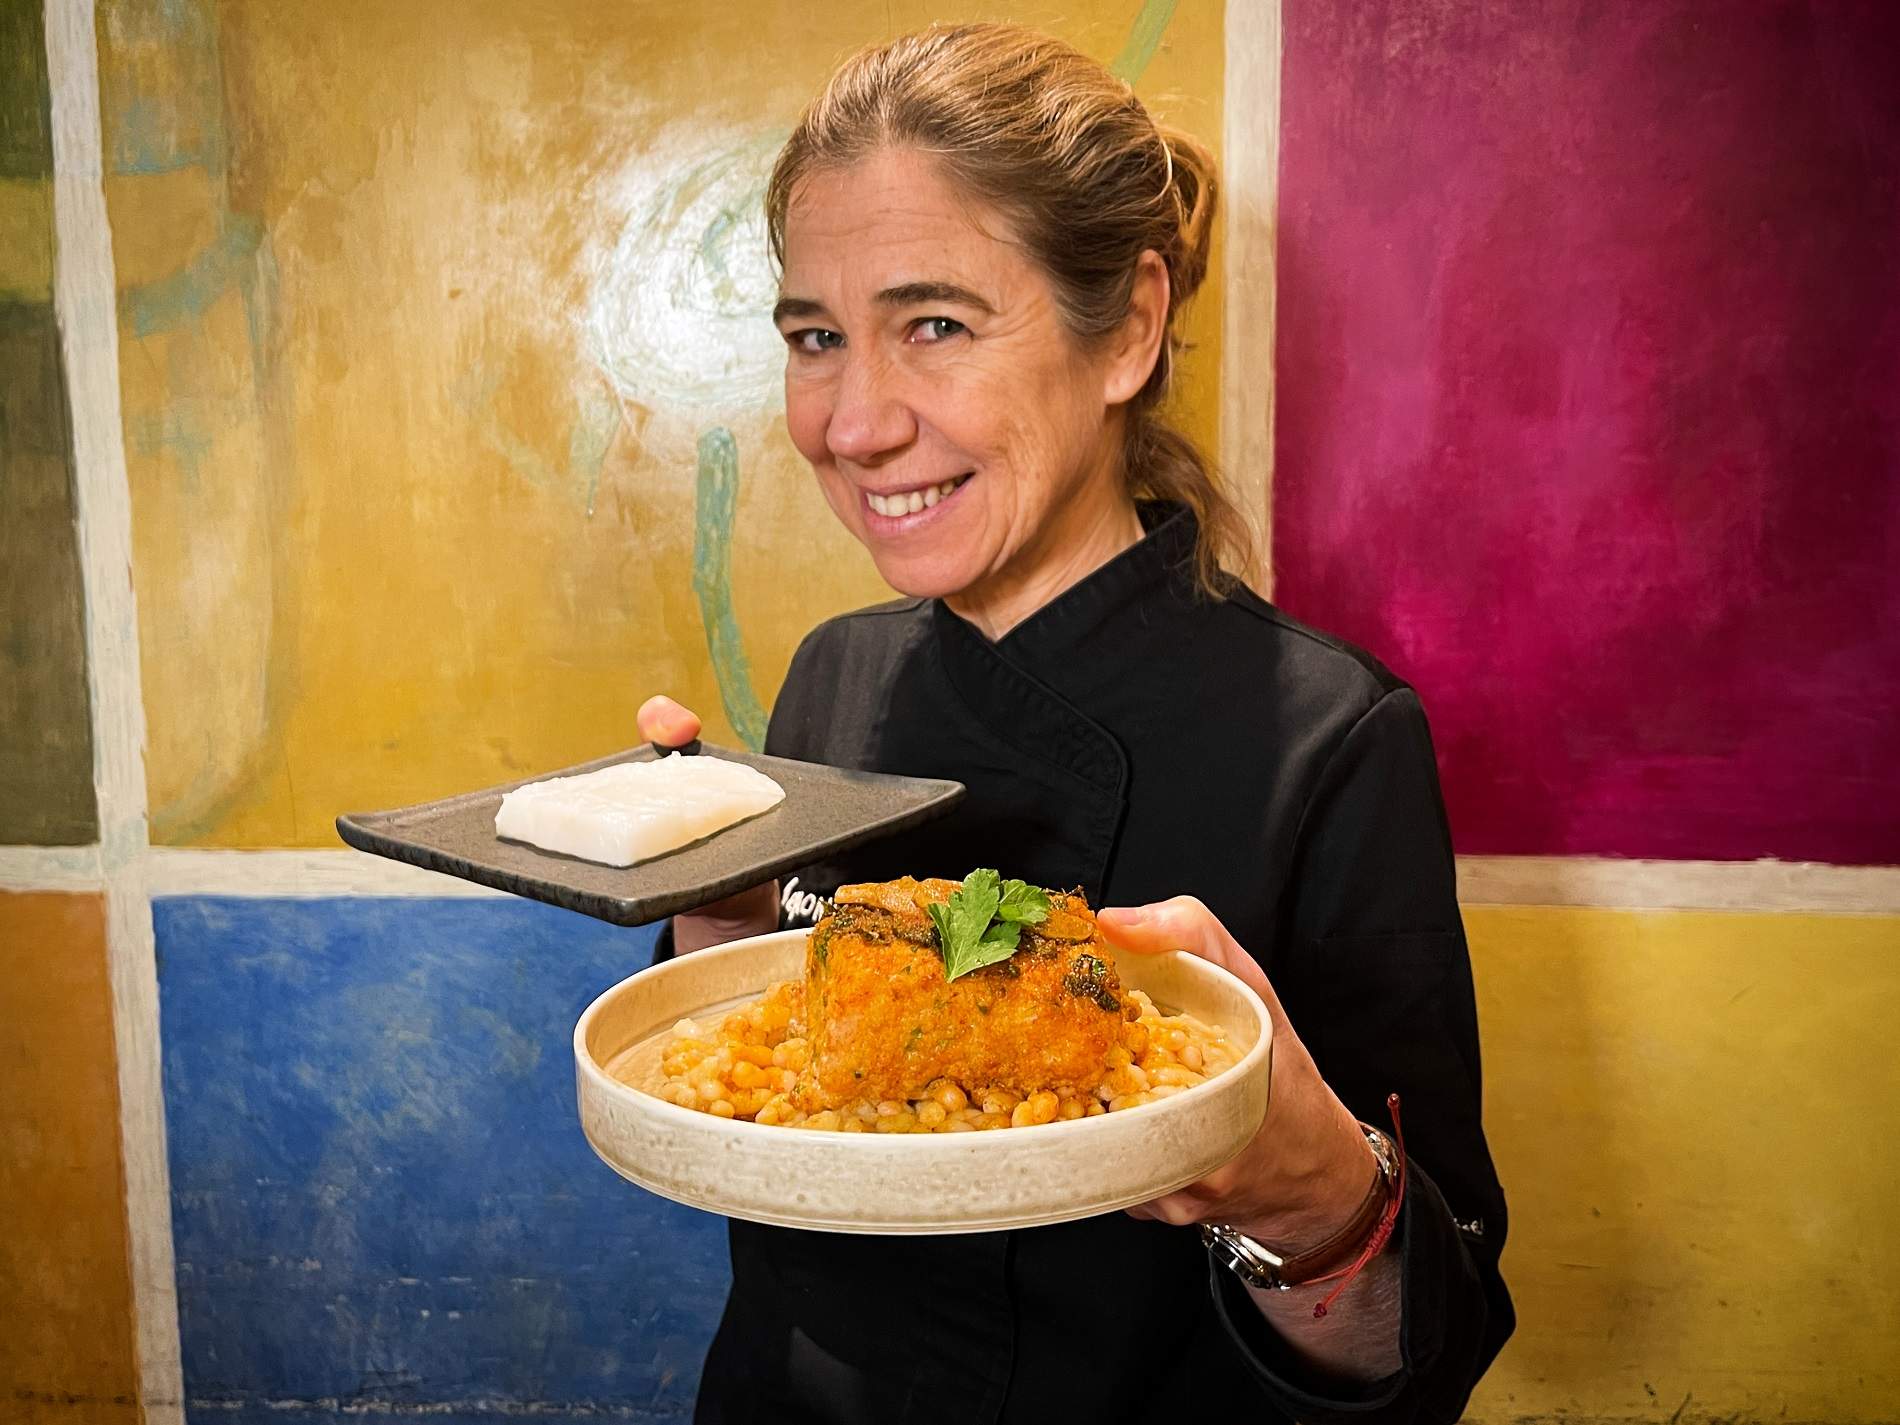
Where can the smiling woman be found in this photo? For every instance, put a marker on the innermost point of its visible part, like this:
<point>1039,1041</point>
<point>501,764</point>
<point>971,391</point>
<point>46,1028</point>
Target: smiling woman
<point>984,241</point>
<point>928,356</point>
<point>929,243</point>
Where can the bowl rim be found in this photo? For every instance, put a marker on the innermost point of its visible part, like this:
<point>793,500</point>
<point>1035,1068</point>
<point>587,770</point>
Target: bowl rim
<point>884,1143</point>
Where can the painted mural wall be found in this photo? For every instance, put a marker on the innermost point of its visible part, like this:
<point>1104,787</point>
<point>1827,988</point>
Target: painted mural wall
<point>46,792</point>
<point>66,1354</point>
<point>1586,377</point>
<point>380,1196</point>
<point>65,1291</point>
<point>1664,1092</point>
<point>1589,408</point>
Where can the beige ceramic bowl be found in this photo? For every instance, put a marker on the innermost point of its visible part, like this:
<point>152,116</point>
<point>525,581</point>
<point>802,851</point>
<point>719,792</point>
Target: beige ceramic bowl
<point>908,1183</point>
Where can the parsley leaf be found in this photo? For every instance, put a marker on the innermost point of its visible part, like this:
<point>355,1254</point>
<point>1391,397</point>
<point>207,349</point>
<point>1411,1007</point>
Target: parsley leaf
<point>1023,903</point>
<point>982,923</point>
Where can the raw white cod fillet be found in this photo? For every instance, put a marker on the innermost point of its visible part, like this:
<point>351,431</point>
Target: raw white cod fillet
<point>634,811</point>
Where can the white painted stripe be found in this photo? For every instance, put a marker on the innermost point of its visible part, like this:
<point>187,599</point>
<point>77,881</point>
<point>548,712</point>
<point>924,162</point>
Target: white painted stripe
<point>181,871</point>
<point>51,868</point>
<point>1608,882</point>
<point>85,301</point>
<point>1250,165</point>
<point>178,872</point>
<point>1678,885</point>
<point>134,965</point>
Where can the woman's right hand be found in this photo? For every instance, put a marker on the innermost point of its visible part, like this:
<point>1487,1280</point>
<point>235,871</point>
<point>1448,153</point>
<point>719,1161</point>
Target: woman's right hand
<point>665,723</point>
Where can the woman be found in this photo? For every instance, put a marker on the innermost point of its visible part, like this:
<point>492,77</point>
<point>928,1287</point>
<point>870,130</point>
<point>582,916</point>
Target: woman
<point>984,240</point>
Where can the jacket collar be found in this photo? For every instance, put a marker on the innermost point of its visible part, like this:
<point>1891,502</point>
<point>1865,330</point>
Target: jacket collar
<point>1001,683</point>
<point>1161,563</point>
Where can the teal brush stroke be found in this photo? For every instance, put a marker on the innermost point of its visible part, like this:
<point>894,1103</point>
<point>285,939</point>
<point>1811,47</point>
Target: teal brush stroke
<point>716,503</point>
<point>1143,40</point>
<point>590,438</point>
<point>186,295</point>
<point>144,143</point>
<point>170,97</point>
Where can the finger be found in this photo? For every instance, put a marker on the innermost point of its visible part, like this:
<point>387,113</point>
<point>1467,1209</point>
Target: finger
<point>748,905</point>
<point>1183,1205</point>
<point>1222,1183</point>
<point>1176,1209</point>
<point>1182,923</point>
<point>664,721</point>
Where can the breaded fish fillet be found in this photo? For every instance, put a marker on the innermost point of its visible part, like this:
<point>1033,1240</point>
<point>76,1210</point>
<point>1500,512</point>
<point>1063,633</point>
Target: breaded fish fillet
<point>883,1022</point>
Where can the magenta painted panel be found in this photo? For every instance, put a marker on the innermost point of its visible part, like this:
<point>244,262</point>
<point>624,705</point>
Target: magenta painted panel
<point>1589,407</point>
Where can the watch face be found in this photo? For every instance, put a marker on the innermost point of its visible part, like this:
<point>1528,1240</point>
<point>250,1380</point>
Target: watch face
<point>1243,1256</point>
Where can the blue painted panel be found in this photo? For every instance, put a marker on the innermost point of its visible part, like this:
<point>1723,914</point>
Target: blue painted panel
<point>380,1191</point>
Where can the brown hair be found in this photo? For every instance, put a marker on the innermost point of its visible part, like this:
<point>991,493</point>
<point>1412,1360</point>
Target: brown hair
<point>1065,151</point>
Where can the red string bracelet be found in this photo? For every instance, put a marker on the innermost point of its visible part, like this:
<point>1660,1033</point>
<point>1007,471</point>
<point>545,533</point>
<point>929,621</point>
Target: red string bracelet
<point>1381,1232</point>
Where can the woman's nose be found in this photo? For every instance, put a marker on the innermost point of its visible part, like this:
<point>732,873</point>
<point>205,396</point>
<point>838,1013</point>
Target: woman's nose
<point>870,420</point>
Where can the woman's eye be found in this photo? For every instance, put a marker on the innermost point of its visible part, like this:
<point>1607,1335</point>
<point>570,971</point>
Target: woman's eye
<point>937,329</point>
<point>813,340</point>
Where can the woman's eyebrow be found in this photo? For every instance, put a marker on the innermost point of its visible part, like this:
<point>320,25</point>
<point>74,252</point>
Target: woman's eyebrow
<point>797,307</point>
<point>906,294</point>
<point>916,294</point>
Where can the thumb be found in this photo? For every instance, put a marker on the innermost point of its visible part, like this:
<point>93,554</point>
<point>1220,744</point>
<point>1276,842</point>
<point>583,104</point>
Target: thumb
<point>1183,923</point>
<point>664,721</point>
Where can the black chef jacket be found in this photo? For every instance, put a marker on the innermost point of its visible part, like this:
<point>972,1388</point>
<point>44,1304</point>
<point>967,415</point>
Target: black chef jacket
<point>1141,741</point>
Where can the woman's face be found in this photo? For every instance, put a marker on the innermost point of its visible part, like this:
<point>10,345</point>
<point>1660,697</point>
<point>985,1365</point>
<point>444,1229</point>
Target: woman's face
<point>956,427</point>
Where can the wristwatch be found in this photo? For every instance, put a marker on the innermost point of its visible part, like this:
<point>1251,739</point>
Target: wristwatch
<point>1259,1265</point>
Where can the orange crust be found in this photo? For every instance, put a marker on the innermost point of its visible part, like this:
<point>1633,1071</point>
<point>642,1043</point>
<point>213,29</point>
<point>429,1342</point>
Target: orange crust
<point>884,1023</point>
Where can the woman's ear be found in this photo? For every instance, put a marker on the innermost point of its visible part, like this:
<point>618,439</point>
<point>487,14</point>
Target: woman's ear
<point>1135,346</point>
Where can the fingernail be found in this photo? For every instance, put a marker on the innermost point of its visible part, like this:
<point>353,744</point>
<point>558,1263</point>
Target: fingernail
<point>1132,914</point>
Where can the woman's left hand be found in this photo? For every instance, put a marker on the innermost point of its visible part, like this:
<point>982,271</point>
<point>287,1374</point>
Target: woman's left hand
<point>1309,1167</point>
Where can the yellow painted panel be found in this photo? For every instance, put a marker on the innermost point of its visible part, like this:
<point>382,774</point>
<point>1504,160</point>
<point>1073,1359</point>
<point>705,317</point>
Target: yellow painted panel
<point>168,219</point>
<point>1697,1120</point>
<point>208,505</point>
<point>65,1277</point>
<point>416,416</point>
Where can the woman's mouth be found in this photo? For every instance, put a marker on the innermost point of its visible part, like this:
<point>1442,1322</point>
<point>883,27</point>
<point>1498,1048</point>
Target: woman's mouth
<point>908,504</point>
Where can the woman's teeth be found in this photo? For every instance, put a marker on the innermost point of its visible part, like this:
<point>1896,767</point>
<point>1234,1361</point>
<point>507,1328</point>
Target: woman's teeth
<point>892,506</point>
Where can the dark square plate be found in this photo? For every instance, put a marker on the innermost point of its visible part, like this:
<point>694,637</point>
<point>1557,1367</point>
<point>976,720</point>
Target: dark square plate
<point>825,810</point>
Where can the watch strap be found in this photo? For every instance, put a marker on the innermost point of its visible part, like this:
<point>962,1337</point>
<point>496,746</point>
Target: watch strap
<point>1265,1266</point>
